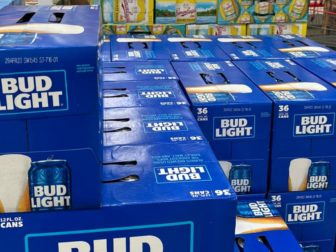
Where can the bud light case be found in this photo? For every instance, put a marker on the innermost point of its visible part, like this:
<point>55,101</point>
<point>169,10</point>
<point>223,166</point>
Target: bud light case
<point>233,115</point>
<point>295,46</point>
<point>150,125</point>
<point>310,216</point>
<point>138,48</point>
<point>303,133</point>
<point>194,48</point>
<point>259,227</point>
<point>49,90</point>
<point>143,94</point>
<point>187,207</point>
<point>324,68</point>
<point>135,71</point>
<point>247,48</point>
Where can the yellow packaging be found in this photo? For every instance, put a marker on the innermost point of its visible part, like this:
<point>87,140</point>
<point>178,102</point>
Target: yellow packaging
<point>186,11</point>
<point>216,30</point>
<point>297,9</point>
<point>229,10</point>
<point>273,29</point>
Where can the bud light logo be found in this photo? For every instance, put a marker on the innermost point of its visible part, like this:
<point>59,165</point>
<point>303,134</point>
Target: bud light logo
<point>153,70</point>
<point>314,124</point>
<point>33,92</point>
<point>164,94</point>
<point>308,212</point>
<point>181,174</point>
<point>165,126</point>
<point>234,127</point>
<point>149,238</point>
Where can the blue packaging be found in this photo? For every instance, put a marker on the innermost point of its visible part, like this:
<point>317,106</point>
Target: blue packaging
<point>303,134</point>
<point>247,48</point>
<point>146,125</point>
<point>138,48</point>
<point>324,68</point>
<point>310,216</point>
<point>194,48</point>
<point>142,94</point>
<point>233,115</point>
<point>298,47</point>
<point>135,71</point>
<point>49,94</point>
<point>186,208</point>
<point>259,227</point>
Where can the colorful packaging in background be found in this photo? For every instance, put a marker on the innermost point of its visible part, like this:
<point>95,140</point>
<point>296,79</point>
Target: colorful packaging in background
<point>185,11</point>
<point>155,29</point>
<point>49,120</point>
<point>245,121</point>
<point>127,11</point>
<point>262,11</point>
<point>310,216</point>
<point>275,29</point>
<point>259,227</point>
<point>303,136</point>
<point>234,12</point>
<point>324,68</point>
<point>215,30</point>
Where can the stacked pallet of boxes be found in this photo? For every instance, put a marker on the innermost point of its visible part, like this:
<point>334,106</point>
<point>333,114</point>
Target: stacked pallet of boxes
<point>73,181</point>
<point>205,17</point>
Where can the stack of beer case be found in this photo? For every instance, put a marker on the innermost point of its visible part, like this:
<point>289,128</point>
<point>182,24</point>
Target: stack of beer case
<point>72,181</point>
<point>302,163</point>
<point>154,151</point>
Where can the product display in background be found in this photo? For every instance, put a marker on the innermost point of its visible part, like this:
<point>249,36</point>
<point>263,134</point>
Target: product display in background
<point>262,11</point>
<point>215,30</point>
<point>303,136</point>
<point>275,29</point>
<point>245,121</point>
<point>310,216</point>
<point>127,11</point>
<point>155,29</point>
<point>49,108</point>
<point>259,227</point>
<point>185,11</point>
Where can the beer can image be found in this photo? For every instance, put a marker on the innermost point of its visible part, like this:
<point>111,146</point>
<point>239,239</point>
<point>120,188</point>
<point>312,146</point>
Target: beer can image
<point>50,185</point>
<point>240,178</point>
<point>318,175</point>
<point>16,39</point>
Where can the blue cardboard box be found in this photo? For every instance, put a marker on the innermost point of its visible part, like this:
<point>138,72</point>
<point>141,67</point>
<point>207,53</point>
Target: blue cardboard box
<point>194,48</point>
<point>247,48</point>
<point>138,48</point>
<point>49,104</point>
<point>310,216</point>
<point>143,94</point>
<point>135,71</point>
<point>303,125</point>
<point>233,115</point>
<point>298,47</point>
<point>147,125</point>
<point>259,227</point>
<point>149,214</point>
<point>324,68</point>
